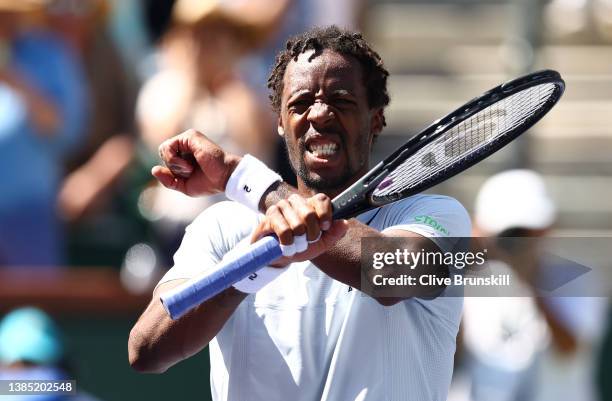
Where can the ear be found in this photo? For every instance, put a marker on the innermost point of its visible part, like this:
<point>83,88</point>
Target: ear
<point>377,121</point>
<point>279,128</point>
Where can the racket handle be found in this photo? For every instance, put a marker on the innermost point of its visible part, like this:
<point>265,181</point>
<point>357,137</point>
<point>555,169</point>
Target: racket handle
<point>182,298</point>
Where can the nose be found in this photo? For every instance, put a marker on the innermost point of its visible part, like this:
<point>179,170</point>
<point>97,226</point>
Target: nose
<point>320,113</point>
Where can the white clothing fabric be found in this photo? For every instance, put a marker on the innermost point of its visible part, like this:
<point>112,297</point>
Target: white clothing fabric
<point>307,337</point>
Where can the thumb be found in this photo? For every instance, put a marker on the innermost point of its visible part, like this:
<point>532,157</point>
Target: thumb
<point>165,177</point>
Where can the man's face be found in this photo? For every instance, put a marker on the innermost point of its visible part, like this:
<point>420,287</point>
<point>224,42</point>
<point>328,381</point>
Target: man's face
<point>326,121</point>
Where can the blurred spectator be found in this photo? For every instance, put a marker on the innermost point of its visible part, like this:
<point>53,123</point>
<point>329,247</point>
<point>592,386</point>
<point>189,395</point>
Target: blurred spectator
<point>285,18</point>
<point>92,196</point>
<point>31,348</point>
<point>604,367</point>
<point>525,348</point>
<point>503,337</point>
<point>602,9</point>
<point>583,19</point>
<point>197,86</point>
<point>127,23</point>
<point>109,147</point>
<point>44,107</point>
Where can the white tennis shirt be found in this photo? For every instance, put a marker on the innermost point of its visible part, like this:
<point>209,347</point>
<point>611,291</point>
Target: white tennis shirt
<point>308,337</point>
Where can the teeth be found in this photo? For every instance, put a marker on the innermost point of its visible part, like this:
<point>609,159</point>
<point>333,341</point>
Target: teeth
<point>324,150</point>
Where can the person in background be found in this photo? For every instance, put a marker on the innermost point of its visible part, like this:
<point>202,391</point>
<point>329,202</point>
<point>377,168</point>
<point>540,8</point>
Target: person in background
<point>197,85</point>
<point>108,151</point>
<point>32,348</point>
<point>95,200</point>
<point>604,365</point>
<point>43,98</point>
<point>523,348</point>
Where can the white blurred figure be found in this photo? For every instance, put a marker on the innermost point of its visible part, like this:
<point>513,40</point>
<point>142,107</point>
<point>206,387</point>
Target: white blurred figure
<point>575,18</point>
<point>504,336</point>
<point>602,10</point>
<point>522,348</point>
<point>566,18</point>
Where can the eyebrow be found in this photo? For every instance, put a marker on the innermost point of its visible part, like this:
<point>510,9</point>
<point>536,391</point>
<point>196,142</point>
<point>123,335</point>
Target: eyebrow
<point>342,92</point>
<point>298,93</point>
<point>336,92</point>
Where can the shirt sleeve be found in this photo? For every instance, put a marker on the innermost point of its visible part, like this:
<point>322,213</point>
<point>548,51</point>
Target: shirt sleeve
<point>211,235</point>
<point>441,218</point>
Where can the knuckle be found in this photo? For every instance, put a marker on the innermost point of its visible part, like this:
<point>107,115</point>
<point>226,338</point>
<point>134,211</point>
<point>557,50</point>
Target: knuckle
<point>284,233</point>
<point>163,147</point>
<point>191,132</point>
<point>272,210</point>
<point>298,228</point>
<point>295,198</point>
<point>322,197</point>
<point>309,214</point>
<point>283,204</point>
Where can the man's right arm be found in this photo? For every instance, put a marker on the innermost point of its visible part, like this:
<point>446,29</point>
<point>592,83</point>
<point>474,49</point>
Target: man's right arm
<point>157,342</point>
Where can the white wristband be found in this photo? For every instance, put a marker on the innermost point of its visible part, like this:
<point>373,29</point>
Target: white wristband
<point>256,281</point>
<point>249,181</point>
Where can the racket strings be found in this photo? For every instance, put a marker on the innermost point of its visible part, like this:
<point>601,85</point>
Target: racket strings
<point>466,138</point>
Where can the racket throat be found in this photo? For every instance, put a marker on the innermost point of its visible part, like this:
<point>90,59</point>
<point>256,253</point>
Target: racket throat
<point>356,199</point>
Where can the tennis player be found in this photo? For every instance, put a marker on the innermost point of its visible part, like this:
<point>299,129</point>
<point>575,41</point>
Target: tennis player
<point>302,329</point>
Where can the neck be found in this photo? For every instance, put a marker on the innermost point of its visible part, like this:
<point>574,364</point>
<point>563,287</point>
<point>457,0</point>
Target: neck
<point>306,191</point>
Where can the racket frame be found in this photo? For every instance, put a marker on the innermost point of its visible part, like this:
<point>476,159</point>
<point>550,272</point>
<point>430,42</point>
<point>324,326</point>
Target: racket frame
<point>358,197</point>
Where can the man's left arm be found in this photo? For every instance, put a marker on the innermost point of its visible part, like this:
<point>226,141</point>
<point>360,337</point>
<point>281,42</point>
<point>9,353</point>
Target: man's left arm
<point>342,262</point>
<point>210,174</point>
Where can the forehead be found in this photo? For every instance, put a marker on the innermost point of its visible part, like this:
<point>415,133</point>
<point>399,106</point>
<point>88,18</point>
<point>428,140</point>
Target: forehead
<point>328,70</point>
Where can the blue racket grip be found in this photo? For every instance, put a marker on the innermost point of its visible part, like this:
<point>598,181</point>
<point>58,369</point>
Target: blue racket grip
<point>182,298</point>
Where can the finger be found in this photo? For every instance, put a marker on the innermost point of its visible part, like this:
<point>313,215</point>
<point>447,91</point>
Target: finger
<point>168,179</point>
<point>168,149</point>
<point>180,163</point>
<point>307,216</point>
<point>301,243</point>
<point>316,239</point>
<point>298,226</point>
<point>177,151</point>
<point>288,250</point>
<point>180,166</point>
<point>164,176</point>
<point>279,225</point>
<point>323,208</point>
<point>262,229</point>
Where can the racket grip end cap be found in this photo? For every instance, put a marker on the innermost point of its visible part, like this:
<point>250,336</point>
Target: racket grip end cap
<point>173,308</point>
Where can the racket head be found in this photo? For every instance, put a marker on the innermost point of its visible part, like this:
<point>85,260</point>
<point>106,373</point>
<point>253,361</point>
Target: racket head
<point>466,136</point>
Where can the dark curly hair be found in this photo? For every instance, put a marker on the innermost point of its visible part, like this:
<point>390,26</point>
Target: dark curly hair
<point>341,41</point>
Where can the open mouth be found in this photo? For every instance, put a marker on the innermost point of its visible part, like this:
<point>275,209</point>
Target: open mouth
<point>322,149</point>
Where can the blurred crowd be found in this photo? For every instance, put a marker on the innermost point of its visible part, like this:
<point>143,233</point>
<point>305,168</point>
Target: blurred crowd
<point>90,88</point>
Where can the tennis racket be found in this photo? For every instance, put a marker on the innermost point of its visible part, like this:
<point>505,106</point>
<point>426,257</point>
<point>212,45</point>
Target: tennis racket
<point>445,148</point>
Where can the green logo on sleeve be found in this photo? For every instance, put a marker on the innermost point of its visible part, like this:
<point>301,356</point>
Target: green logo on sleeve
<point>430,221</point>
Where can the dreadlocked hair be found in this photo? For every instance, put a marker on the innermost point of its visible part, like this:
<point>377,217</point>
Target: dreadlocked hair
<point>343,42</point>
